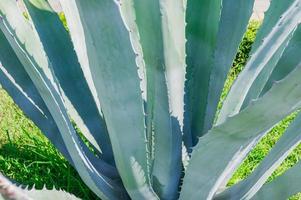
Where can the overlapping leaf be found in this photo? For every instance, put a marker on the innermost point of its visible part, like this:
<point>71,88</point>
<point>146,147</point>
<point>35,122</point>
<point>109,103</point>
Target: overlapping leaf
<point>283,186</point>
<point>160,25</point>
<point>282,30</point>
<point>111,61</point>
<point>59,49</point>
<point>31,55</point>
<point>218,152</point>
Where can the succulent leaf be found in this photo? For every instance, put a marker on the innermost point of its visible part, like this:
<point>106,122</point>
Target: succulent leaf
<point>111,57</point>
<point>229,140</point>
<point>283,186</point>
<point>281,31</point>
<point>59,49</point>
<point>9,191</point>
<point>202,18</point>
<point>142,80</point>
<point>287,62</point>
<point>235,16</point>
<point>31,54</point>
<point>247,188</point>
<point>273,14</point>
<point>164,63</point>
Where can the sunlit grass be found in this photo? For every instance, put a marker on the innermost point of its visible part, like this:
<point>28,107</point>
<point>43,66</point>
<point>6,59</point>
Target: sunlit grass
<point>27,157</point>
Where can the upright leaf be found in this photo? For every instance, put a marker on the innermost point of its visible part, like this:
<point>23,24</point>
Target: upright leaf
<point>59,49</point>
<point>160,24</point>
<point>202,18</point>
<point>114,72</point>
<point>129,17</point>
<point>173,29</point>
<point>232,26</point>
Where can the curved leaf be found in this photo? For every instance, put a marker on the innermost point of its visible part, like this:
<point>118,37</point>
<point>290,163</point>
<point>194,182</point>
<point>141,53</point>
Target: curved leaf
<point>218,152</point>
<point>247,188</point>
<point>283,186</point>
<point>112,64</point>
<point>287,62</point>
<point>31,54</point>
<point>16,82</point>
<point>59,49</point>
<point>11,191</point>
<point>276,10</point>
<point>281,31</point>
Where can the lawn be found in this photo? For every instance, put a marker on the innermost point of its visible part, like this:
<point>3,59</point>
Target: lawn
<point>29,158</point>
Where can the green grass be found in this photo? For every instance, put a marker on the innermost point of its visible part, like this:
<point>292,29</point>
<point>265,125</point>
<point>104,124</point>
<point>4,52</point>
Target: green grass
<point>29,158</point>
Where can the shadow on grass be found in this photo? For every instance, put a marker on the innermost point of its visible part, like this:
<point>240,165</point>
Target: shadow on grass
<point>36,163</point>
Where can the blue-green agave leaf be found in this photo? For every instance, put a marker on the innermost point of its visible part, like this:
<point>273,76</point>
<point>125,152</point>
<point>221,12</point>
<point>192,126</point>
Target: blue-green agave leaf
<point>17,83</point>
<point>10,191</point>
<point>282,187</point>
<point>271,17</point>
<point>259,60</point>
<point>59,49</point>
<point>287,62</point>
<point>247,188</point>
<point>219,152</point>
<point>173,30</point>
<point>260,81</point>
<point>129,17</point>
<point>160,24</point>
<point>202,18</point>
<point>111,60</point>
<point>276,10</point>
<point>30,53</point>
<point>235,16</point>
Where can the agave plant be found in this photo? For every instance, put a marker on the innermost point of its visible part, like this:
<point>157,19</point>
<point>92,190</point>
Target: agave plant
<point>142,80</point>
